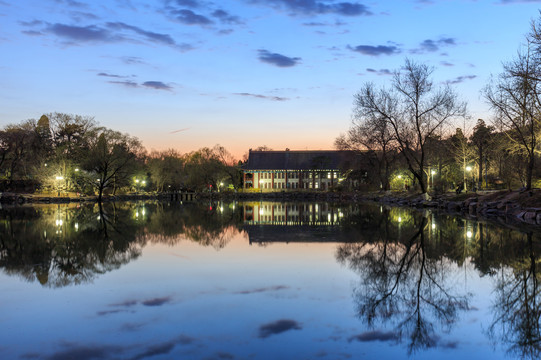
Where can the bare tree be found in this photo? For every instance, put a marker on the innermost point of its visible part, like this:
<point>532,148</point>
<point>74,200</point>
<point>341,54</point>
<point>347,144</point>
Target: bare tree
<point>515,98</point>
<point>415,110</point>
<point>375,140</point>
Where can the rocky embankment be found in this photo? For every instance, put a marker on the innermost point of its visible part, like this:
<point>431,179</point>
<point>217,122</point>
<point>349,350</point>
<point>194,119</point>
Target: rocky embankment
<point>522,206</point>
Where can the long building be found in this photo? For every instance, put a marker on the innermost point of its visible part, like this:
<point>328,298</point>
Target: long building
<point>293,170</point>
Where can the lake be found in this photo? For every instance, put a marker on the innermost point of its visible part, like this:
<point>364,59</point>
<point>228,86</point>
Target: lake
<point>264,280</point>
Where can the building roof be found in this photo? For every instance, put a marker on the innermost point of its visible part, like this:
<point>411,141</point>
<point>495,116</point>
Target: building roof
<point>301,160</point>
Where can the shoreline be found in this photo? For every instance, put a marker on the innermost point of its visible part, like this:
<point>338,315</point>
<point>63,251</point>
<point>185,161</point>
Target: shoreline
<point>515,206</point>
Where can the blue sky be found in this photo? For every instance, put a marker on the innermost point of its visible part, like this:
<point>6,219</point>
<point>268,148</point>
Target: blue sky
<point>241,73</point>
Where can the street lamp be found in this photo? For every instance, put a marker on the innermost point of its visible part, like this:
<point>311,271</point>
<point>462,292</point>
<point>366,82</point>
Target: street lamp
<point>468,169</point>
<point>58,179</point>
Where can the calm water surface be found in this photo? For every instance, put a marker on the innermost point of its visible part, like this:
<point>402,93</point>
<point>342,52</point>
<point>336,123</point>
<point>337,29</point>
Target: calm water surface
<point>264,281</point>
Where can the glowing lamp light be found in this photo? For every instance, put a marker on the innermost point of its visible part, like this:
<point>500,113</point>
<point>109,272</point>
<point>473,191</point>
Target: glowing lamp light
<point>468,168</point>
<point>469,234</point>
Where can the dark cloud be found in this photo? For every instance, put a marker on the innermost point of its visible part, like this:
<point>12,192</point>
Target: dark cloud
<point>271,288</point>
<point>188,3</point>
<point>188,17</point>
<point>311,7</point>
<point>380,71</point>
<point>376,50</point>
<point>110,75</point>
<point>225,17</point>
<point>112,32</point>
<point>278,327</point>
<point>430,45</point>
<point>164,300</point>
<point>461,79</point>
<point>448,64</point>
<point>85,352</point>
<point>274,98</point>
<point>375,336</point>
<point>90,33</point>
<point>277,59</point>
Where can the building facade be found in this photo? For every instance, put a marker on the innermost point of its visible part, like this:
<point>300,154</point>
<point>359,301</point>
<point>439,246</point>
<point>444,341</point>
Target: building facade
<point>294,170</point>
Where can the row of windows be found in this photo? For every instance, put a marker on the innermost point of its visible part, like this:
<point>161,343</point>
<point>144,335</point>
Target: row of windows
<point>295,175</point>
<point>292,185</point>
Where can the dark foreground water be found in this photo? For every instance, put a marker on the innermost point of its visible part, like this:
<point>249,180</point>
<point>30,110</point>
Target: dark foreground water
<point>264,281</point>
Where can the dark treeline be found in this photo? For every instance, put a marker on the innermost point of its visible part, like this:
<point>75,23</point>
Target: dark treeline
<point>72,153</point>
<point>406,130</point>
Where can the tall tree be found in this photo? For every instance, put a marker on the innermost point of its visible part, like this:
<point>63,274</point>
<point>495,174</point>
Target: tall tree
<point>111,160</point>
<point>515,97</point>
<point>373,137</point>
<point>481,140</point>
<point>415,110</point>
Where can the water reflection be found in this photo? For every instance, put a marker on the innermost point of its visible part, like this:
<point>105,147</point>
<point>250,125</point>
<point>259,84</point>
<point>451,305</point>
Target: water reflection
<point>60,245</point>
<point>407,264</point>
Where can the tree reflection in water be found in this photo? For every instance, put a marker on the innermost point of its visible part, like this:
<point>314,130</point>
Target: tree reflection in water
<point>60,245</point>
<point>402,283</point>
<point>517,308</point>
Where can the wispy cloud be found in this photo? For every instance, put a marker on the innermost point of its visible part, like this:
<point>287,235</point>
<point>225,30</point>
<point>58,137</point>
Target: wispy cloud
<point>188,17</point>
<point>277,59</point>
<point>225,17</point>
<point>312,7</point>
<point>461,79</point>
<point>430,45</point>
<point>157,85</point>
<point>91,33</point>
<point>380,71</point>
<point>265,97</point>
<point>110,32</point>
<point>376,50</point>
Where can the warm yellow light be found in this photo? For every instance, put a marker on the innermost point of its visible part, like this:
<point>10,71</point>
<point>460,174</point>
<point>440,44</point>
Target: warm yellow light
<point>469,234</point>
<point>433,172</point>
<point>400,176</point>
<point>59,178</point>
<point>468,168</point>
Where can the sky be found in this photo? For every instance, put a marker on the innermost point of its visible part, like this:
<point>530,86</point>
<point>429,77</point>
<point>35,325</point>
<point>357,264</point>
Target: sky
<point>187,74</point>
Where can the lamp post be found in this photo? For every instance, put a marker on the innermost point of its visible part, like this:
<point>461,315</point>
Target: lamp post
<point>468,169</point>
<point>58,179</point>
